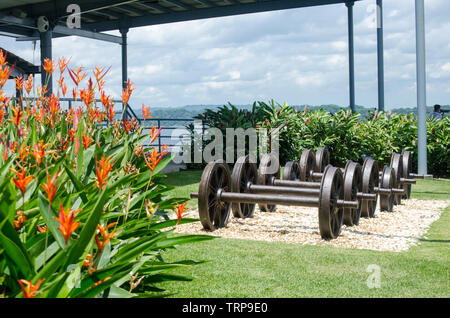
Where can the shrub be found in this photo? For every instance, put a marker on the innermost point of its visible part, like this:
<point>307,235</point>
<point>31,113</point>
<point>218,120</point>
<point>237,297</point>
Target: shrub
<point>347,135</point>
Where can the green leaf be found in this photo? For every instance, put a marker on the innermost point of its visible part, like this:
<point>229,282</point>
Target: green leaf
<point>48,216</point>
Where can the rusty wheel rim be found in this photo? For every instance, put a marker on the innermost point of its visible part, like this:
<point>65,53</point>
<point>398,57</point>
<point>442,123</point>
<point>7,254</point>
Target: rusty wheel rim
<point>330,215</point>
<point>407,167</point>
<point>397,166</point>
<point>388,181</point>
<point>214,213</point>
<point>291,171</point>
<point>322,159</point>
<point>352,185</point>
<point>244,171</point>
<point>370,180</point>
<point>266,174</point>
<point>306,165</point>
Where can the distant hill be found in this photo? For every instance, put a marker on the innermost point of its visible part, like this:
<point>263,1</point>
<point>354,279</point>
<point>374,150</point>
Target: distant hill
<point>189,111</point>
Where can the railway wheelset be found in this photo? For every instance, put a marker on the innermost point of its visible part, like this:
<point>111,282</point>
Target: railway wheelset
<point>341,196</point>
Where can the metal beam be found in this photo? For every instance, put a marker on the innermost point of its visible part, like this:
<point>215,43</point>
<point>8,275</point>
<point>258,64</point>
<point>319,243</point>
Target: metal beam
<point>124,32</point>
<point>179,4</point>
<point>154,6</point>
<point>421,88</point>
<point>46,52</point>
<point>380,55</point>
<point>351,55</point>
<point>62,31</point>
<point>206,3</point>
<point>205,13</point>
<point>59,29</point>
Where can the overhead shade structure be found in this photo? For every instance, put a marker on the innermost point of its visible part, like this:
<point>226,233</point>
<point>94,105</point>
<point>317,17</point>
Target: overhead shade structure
<point>18,18</point>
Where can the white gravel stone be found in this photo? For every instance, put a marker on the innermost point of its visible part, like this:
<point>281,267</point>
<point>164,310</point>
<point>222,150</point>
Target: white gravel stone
<point>388,231</point>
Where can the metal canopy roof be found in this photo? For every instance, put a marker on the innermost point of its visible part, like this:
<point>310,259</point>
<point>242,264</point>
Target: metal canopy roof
<point>21,66</point>
<point>18,17</point>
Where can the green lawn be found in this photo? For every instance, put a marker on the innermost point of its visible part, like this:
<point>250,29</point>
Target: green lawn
<point>240,268</point>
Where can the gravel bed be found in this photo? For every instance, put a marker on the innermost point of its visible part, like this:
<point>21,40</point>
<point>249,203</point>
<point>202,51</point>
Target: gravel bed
<point>388,231</point>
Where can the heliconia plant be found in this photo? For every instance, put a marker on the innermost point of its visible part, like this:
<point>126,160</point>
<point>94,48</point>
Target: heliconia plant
<point>83,207</point>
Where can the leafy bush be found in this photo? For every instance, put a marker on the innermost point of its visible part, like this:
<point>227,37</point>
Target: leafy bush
<point>83,209</point>
<point>348,135</point>
<point>228,116</point>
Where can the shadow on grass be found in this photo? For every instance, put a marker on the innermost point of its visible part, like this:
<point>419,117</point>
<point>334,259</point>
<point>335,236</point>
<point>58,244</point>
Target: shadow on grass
<point>434,241</point>
<point>183,178</point>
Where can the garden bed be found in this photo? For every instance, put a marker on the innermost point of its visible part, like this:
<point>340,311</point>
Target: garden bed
<point>388,231</point>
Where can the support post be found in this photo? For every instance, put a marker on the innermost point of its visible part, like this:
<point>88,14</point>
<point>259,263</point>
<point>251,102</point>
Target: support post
<point>351,55</point>
<point>46,52</point>
<point>380,55</point>
<point>124,32</point>
<point>421,88</point>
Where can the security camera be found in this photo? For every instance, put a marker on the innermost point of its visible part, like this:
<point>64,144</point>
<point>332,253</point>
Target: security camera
<point>43,24</point>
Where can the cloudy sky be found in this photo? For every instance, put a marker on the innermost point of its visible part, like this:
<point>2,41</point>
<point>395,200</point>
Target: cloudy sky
<point>296,56</point>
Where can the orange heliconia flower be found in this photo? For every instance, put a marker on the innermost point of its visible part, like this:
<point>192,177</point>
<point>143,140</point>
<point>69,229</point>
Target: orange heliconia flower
<point>28,289</point>
<point>29,84</point>
<point>76,75</point>
<point>99,73</point>
<point>62,64</point>
<point>105,99</point>
<point>5,72</point>
<point>110,112</point>
<point>179,210</point>
<point>66,222</point>
<point>48,66</point>
<point>19,83</point>
<point>103,168</point>
<point>20,220</point>
<point>16,118</point>
<point>39,151</point>
<point>105,235</point>
<point>24,150</point>
<point>126,92</point>
<point>146,112</point>
<point>155,157</point>
<point>86,140</point>
<point>22,180</point>
<point>64,89</point>
<point>51,186</point>
<point>154,134</point>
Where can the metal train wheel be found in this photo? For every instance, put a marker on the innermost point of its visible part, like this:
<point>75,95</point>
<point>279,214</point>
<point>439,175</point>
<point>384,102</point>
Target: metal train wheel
<point>330,215</point>
<point>387,181</point>
<point>397,165</point>
<point>322,159</point>
<point>407,167</point>
<point>352,185</point>
<point>269,168</point>
<point>291,171</point>
<point>244,171</point>
<point>370,180</point>
<point>306,165</point>
<point>214,213</point>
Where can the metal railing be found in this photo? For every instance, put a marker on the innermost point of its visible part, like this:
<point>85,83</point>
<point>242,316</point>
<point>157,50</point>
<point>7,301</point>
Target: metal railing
<point>168,125</point>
